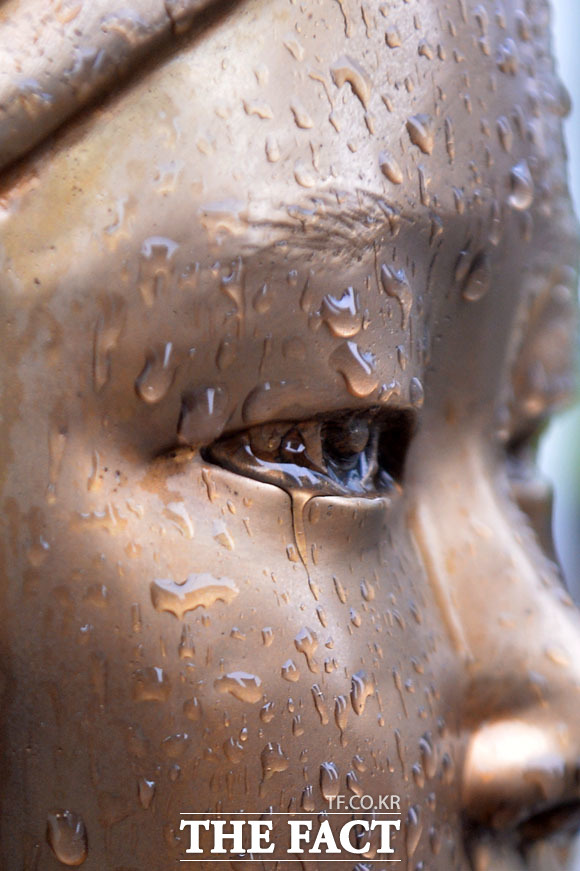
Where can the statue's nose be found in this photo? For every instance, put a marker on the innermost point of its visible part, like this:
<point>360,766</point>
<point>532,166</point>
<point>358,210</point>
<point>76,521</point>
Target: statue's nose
<point>518,634</point>
<point>522,775</point>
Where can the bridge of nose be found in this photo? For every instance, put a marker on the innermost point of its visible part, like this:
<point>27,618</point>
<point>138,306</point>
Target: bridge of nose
<point>516,633</point>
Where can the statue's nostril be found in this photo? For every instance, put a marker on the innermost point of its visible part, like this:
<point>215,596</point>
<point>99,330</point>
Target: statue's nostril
<point>561,819</point>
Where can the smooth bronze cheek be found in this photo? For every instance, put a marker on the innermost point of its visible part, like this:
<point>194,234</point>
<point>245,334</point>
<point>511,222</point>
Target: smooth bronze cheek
<point>282,314</point>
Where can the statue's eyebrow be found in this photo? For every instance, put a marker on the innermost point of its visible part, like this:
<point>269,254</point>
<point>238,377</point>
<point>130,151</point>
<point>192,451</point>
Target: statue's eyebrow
<point>334,221</point>
<point>55,61</point>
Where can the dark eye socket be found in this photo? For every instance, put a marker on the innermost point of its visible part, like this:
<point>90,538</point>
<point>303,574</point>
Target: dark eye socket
<point>349,453</point>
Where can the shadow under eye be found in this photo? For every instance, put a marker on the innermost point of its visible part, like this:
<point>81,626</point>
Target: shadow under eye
<point>348,454</point>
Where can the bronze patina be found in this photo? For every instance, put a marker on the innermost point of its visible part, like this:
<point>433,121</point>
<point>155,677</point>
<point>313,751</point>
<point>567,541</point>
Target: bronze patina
<point>287,293</point>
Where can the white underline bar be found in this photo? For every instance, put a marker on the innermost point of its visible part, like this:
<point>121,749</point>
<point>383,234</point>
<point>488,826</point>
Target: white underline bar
<point>287,813</point>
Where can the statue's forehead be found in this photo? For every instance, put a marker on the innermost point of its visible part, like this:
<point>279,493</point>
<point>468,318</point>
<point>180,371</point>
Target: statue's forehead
<point>393,153</point>
<point>395,69</point>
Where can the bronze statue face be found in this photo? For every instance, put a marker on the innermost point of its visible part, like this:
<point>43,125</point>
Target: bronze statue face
<point>281,319</point>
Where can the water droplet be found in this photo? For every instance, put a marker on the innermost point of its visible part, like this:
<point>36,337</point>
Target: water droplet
<point>416,393</point>
<point>259,108</point>
<point>320,704</point>
<point>67,837</point>
<point>355,618</point>
<point>393,37</point>
<point>192,709</point>
<point>174,746</point>
<point>522,186</point>
<point>558,655</point>
<point>505,133</point>
<point>297,727</point>
<point>507,57</point>
<point>560,103</point>
<point>478,280</point>
<point>306,642</point>
<point>356,367</point>
<point>227,353</point>
<point>389,390</point>
<point>196,591</point>
<point>294,47</point>
<point>156,377</point>
<point>342,314</point>
<point>362,686</point>
<point>523,25</point>
<point>151,684</point>
<point>449,139</point>
<point>340,716</point>
<point>353,783</point>
<point>462,265</point>
<point>459,200</point>
<point>272,149</point>
<point>413,829</point>
<point>267,712</point>
<point>97,595</point>
<point>418,775</point>
<point>307,802</point>
<point>271,400</point>
<point>273,760</point>
<point>448,768</point>
<point>329,780</point>
<point>395,284</point>
<point>428,757</point>
<point>241,685</point>
<point>263,300</point>
<point>435,841</point>
<point>155,267</point>
<point>421,132</point>
<point>304,175</point>
<point>292,553</point>
<point>289,671</point>
<point>481,16</point>
<point>146,791</point>
<point>390,167</point>
<point>222,535</point>
<point>136,623</point>
<point>301,117</point>
<point>401,752</point>
<point>367,590</point>
<point>177,514</point>
<point>107,333</point>
<point>232,281</point>
<point>339,588</point>
<point>204,414</point>
<point>495,224</point>
<point>233,750</point>
<point>345,69</point>
<point>399,687</point>
<point>38,551</point>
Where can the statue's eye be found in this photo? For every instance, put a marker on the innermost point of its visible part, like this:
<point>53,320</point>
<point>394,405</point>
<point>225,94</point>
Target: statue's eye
<point>350,453</point>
